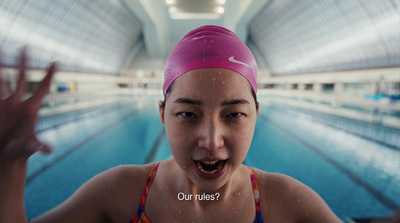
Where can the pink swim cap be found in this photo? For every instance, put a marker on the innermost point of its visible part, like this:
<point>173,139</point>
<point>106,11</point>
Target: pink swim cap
<point>210,47</point>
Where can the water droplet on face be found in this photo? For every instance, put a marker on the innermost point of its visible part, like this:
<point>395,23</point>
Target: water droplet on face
<point>237,193</point>
<point>179,211</point>
<point>223,82</point>
<point>298,200</point>
<point>214,79</point>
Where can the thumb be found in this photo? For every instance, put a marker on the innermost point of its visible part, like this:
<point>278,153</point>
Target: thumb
<point>46,149</point>
<point>34,145</point>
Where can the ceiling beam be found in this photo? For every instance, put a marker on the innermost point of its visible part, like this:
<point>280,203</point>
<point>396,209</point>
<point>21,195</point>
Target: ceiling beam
<point>238,15</point>
<point>154,18</point>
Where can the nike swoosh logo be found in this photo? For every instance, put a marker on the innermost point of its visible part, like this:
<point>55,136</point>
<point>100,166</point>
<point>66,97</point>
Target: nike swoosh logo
<point>232,59</point>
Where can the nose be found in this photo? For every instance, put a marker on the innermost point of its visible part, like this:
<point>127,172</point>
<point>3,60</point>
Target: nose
<point>211,134</point>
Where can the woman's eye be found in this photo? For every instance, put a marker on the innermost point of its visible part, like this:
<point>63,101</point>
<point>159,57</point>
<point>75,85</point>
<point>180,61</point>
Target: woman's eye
<point>188,115</point>
<point>235,115</point>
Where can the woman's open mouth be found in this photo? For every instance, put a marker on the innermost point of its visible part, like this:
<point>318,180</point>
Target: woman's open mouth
<point>210,169</point>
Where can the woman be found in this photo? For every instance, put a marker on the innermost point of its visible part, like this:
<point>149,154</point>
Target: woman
<point>209,113</point>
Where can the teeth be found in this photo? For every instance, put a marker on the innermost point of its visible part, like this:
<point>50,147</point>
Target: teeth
<point>210,162</point>
<point>217,169</point>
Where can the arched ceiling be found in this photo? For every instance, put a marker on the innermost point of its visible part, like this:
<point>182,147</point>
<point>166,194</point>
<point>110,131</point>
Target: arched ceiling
<point>310,36</point>
<point>287,36</point>
<point>87,36</point>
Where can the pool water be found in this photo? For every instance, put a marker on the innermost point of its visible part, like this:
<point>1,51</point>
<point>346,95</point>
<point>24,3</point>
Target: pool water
<point>354,166</point>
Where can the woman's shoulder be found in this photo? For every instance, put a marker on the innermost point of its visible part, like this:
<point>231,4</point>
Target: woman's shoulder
<point>291,198</point>
<point>113,194</point>
<point>118,190</point>
<point>275,178</point>
<point>277,185</point>
<point>127,173</point>
<point>127,179</point>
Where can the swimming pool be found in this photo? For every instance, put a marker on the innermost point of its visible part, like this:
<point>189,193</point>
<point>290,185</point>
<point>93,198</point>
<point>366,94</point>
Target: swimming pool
<point>354,166</point>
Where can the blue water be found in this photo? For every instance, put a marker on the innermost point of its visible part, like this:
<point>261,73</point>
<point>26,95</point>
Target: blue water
<point>354,170</point>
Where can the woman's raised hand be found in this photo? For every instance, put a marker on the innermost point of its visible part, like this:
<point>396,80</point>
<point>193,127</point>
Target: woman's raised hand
<point>18,116</point>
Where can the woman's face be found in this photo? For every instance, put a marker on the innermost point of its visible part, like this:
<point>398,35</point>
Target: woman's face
<point>209,118</point>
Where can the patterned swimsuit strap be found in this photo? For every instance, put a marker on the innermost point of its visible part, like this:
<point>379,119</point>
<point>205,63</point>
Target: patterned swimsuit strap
<point>257,198</point>
<point>145,192</point>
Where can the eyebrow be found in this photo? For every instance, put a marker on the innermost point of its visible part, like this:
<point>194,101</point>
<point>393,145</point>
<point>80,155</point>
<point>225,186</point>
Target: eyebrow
<point>188,101</point>
<point>224,103</point>
<point>235,102</point>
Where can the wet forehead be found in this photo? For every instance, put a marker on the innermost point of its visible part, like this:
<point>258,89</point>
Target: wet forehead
<point>214,84</point>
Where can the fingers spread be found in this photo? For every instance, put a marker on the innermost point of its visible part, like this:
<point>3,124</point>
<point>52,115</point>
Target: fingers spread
<point>45,85</point>
<point>1,82</point>
<point>21,76</point>
<point>1,87</point>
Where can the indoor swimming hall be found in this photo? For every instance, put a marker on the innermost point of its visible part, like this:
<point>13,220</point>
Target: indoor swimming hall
<point>328,87</point>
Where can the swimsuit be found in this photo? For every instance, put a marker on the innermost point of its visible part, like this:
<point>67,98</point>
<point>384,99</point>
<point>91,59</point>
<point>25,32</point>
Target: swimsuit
<point>140,217</point>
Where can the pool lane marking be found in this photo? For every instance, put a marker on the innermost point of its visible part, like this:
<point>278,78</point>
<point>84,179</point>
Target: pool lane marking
<point>86,113</point>
<point>156,146</point>
<point>377,194</point>
<point>45,167</point>
<point>379,142</point>
<point>92,114</point>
